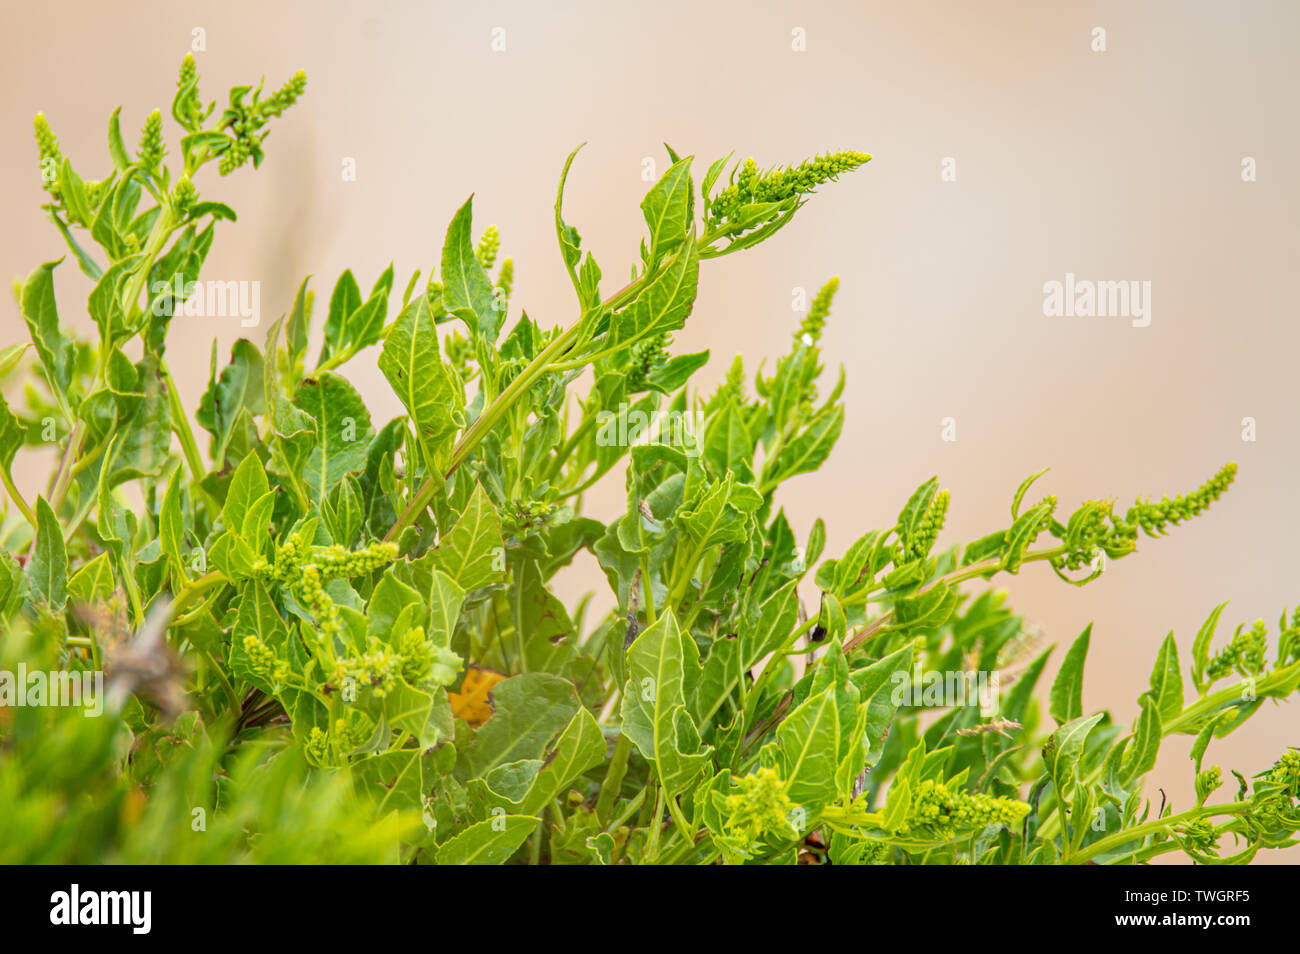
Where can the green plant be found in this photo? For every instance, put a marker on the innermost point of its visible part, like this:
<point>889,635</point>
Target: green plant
<point>339,639</point>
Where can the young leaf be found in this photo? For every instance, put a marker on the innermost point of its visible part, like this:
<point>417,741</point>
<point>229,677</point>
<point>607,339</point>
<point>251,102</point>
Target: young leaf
<point>42,317</point>
<point>467,290</point>
<point>1167,681</point>
<point>48,570</point>
<point>1067,689</point>
<point>668,208</point>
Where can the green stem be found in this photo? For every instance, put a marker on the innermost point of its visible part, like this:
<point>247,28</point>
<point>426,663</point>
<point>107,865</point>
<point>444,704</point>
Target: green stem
<point>194,587</point>
<point>1112,842</point>
<point>1201,709</point>
<point>613,783</point>
<point>181,425</point>
<point>17,497</point>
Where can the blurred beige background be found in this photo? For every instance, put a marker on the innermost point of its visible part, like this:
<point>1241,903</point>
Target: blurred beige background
<point>1116,165</point>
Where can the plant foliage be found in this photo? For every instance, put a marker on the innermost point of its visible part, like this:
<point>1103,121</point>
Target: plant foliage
<point>328,637</point>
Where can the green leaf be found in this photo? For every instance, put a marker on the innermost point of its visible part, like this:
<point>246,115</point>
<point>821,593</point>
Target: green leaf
<point>898,803</point>
<point>1064,746</point>
<point>387,603</point>
<point>669,208</point>
<point>298,326</point>
<point>812,741</point>
<point>1023,532</point>
<point>1167,681</point>
<point>489,842</point>
<point>343,431</point>
<point>391,780</point>
<point>257,617</point>
<point>171,525</point>
<point>249,501</point>
<point>568,237</point>
<point>1201,648</point>
<point>466,289</point>
<point>471,554</point>
<point>238,391</point>
<point>144,436</point>
<point>528,711</point>
<point>580,747</point>
<point>918,503</point>
<point>1140,756</point>
<point>720,513</point>
<point>344,300</point>
<point>12,434</point>
<point>445,598</point>
<point>1067,689</point>
<point>42,317</point>
<point>654,706</point>
<point>105,301</point>
<point>927,610</point>
<point>663,305</point>
<point>412,363</point>
<point>48,569</point>
<point>93,582</point>
<point>729,659</point>
<point>116,146</point>
<point>1022,490</point>
<point>810,448</point>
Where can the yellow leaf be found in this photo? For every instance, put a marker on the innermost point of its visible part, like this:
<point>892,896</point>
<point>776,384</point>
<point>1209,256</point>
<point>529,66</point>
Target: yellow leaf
<point>472,703</point>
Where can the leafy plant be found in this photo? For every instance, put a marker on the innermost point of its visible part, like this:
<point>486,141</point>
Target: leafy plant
<point>338,638</point>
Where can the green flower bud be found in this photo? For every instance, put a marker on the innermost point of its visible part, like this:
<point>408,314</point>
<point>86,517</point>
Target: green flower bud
<point>488,246</point>
<point>151,142</point>
<point>759,806</point>
<point>1206,783</point>
<point>51,158</point>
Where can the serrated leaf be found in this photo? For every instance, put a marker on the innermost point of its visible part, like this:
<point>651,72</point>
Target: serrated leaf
<point>812,740</point>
